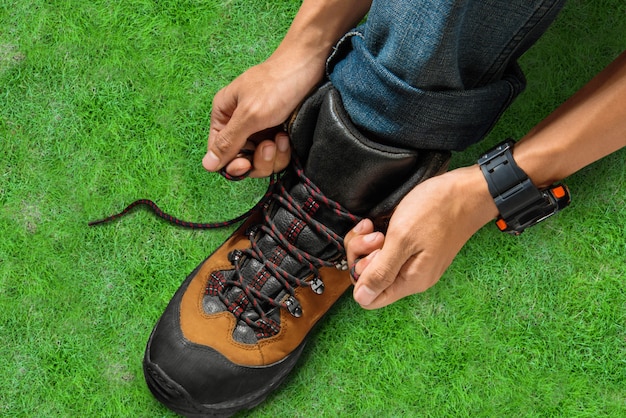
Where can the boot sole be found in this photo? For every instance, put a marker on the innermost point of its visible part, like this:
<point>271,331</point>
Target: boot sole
<point>176,398</point>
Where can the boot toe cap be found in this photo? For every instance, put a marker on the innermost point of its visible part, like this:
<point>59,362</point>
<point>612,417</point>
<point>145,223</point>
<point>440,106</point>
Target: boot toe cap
<point>193,379</point>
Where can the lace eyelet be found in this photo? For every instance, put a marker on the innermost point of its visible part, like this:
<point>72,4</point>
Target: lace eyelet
<point>317,285</point>
<point>342,265</point>
<point>234,256</point>
<point>293,306</point>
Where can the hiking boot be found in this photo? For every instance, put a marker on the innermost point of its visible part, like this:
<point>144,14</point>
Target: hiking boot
<point>238,324</point>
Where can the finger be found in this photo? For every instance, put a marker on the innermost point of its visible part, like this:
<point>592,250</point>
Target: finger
<point>224,145</point>
<point>241,166</point>
<point>413,277</point>
<point>365,226</point>
<point>232,124</point>
<point>263,159</point>
<point>360,264</point>
<point>363,245</point>
<point>272,156</point>
<point>224,106</point>
<point>283,151</point>
<point>380,274</point>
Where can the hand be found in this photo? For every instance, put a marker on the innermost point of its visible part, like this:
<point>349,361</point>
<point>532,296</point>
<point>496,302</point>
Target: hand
<point>426,231</point>
<point>261,98</point>
<point>265,95</point>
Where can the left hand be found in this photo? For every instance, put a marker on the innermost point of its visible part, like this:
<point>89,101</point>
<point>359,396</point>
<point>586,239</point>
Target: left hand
<point>426,231</point>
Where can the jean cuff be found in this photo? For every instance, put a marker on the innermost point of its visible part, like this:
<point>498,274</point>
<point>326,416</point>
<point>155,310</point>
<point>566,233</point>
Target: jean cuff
<point>386,107</point>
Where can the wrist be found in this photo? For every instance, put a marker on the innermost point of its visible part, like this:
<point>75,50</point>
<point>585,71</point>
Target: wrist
<point>541,163</point>
<point>315,30</point>
<point>299,59</point>
<point>473,192</point>
<point>302,54</point>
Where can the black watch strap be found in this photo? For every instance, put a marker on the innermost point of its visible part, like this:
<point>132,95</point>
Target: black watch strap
<point>509,185</point>
<point>520,203</point>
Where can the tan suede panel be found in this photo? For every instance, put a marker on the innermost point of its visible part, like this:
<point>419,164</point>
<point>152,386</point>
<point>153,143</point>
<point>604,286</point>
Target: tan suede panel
<point>314,306</point>
<point>216,330</point>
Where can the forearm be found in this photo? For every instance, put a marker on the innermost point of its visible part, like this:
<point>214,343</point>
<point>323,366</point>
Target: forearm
<point>587,127</point>
<point>318,25</point>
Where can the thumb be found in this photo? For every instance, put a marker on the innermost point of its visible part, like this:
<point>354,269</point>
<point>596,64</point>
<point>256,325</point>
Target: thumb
<point>378,275</point>
<point>225,141</point>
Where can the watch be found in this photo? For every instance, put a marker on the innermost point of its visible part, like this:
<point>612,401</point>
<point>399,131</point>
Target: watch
<point>520,203</point>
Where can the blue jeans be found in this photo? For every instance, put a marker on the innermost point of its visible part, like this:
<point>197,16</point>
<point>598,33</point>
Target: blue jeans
<point>436,74</point>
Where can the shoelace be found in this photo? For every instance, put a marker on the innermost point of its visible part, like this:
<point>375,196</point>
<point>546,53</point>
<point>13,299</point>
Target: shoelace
<point>219,285</point>
<point>276,192</point>
<point>195,225</point>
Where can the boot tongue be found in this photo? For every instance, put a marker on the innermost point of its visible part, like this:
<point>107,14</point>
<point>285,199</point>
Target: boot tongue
<point>346,166</point>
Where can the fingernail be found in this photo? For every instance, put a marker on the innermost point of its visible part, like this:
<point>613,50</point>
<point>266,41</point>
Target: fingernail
<point>371,237</point>
<point>210,161</point>
<point>364,295</point>
<point>358,228</point>
<point>282,142</point>
<point>268,152</point>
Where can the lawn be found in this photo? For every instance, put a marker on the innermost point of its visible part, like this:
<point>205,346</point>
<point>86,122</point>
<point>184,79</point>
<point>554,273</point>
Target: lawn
<point>103,102</point>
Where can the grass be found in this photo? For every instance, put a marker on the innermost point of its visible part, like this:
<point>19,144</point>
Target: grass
<point>103,102</point>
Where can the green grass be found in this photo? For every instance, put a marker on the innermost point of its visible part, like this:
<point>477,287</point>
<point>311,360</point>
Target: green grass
<point>103,102</point>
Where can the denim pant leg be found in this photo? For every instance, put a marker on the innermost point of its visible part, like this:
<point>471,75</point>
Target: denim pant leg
<point>436,74</point>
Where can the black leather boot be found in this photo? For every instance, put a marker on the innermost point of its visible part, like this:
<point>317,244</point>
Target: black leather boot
<point>239,322</point>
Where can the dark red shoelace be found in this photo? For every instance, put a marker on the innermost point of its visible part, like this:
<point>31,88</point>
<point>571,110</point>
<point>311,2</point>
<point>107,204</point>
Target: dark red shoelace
<point>186,224</point>
<point>194,225</point>
<point>251,296</point>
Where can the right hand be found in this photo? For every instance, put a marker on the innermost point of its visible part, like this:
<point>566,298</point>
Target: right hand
<point>263,97</point>
<point>426,231</point>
